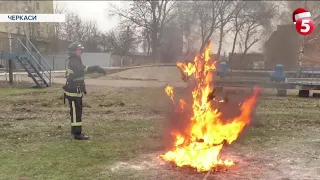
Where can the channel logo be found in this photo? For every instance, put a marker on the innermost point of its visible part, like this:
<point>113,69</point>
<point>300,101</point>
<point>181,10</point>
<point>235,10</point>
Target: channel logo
<point>303,21</point>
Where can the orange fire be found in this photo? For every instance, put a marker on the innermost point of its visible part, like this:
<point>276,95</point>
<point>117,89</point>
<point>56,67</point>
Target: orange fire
<point>206,133</point>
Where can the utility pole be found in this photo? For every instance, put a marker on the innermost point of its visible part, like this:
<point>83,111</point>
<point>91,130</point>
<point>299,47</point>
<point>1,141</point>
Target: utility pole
<point>10,42</point>
<point>9,37</point>
<point>127,41</point>
<point>26,9</point>
<point>302,48</point>
<point>126,47</point>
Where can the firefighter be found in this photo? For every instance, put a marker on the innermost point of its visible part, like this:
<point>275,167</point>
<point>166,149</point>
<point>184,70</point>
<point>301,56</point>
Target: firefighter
<point>75,87</point>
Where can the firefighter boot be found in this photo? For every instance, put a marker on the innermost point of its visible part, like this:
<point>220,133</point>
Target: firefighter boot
<point>80,137</point>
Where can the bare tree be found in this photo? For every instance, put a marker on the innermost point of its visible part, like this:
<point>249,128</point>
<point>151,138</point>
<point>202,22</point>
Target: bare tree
<point>237,23</point>
<point>69,27</point>
<point>54,30</point>
<point>289,6</point>
<point>103,42</point>
<point>207,19</point>
<point>187,24</point>
<point>251,35</point>
<point>120,41</point>
<point>92,35</point>
<point>226,10</point>
<point>256,15</point>
<point>92,31</point>
<point>151,15</point>
<point>146,41</point>
<point>79,28</point>
<point>59,9</point>
<point>211,16</point>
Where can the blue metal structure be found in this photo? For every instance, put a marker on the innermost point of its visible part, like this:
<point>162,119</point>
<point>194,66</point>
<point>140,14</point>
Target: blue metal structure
<point>38,68</point>
<point>278,75</point>
<point>222,69</point>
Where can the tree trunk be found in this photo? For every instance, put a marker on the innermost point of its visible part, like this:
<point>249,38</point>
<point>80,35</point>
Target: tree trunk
<point>242,57</point>
<point>155,49</point>
<point>121,61</point>
<point>220,40</point>
<point>233,46</point>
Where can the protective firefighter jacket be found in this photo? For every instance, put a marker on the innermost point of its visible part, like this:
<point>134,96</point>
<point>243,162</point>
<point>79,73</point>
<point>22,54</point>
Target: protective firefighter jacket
<point>75,85</point>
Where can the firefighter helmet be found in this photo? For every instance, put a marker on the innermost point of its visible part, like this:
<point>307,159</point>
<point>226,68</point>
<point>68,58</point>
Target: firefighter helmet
<point>73,47</point>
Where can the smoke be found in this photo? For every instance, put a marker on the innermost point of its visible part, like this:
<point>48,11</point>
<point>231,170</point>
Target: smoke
<point>231,109</point>
<point>179,121</point>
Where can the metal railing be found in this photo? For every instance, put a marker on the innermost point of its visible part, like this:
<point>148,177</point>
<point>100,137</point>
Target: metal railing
<point>48,68</point>
<point>45,71</point>
<point>307,75</point>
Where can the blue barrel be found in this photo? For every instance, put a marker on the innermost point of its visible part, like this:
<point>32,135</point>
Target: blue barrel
<point>278,75</point>
<point>222,69</point>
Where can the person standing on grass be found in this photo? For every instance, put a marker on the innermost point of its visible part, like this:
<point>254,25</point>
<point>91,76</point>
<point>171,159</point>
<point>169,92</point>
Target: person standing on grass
<point>75,87</point>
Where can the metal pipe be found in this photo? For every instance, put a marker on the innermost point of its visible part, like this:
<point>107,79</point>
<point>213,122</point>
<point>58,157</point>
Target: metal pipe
<point>26,9</point>
<point>302,46</point>
<point>10,72</point>
<point>10,42</point>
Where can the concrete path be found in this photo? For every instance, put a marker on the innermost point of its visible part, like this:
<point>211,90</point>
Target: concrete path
<point>147,76</point>
<point>124,83</point>
<point>107,82</point>
<point>162,73</point>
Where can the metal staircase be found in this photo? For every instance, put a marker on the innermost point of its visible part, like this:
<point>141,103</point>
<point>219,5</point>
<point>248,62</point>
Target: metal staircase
<point>39,78</point>
<point>37,68</point>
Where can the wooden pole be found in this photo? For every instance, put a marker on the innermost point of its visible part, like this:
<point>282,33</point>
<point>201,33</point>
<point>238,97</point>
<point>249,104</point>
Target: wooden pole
<point>303,44</point>
<point>10,72</point>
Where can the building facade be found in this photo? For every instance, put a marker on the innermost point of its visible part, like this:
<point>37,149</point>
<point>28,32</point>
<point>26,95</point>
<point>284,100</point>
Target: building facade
<point>248,61</point>
<point>283,47</point>
<point>39,33</point>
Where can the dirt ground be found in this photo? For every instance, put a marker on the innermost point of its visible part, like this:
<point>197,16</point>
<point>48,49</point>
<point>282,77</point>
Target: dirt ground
<point>125,121</point>
<point>145,76</point>
<point>284,144</point>
<point>110,80</point>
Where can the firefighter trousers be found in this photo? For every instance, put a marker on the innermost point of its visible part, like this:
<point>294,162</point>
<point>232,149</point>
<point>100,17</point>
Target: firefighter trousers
<point>75,104</point>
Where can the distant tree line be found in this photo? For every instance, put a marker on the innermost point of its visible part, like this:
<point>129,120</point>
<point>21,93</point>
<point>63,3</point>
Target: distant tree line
<point>142,24</point>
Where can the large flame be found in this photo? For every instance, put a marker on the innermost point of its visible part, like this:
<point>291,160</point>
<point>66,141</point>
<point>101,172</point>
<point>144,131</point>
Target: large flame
<point>206,133</point>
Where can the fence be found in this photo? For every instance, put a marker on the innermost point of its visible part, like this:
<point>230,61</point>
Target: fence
<point>58,60</point>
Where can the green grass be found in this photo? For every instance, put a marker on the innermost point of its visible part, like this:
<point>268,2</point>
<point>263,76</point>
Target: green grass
<point>35,135</point>
<point>15,91</point>
<point>63,158</point>
<point>36,143</point>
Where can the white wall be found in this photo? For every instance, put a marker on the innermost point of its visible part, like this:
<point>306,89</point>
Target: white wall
<point>58,60</point>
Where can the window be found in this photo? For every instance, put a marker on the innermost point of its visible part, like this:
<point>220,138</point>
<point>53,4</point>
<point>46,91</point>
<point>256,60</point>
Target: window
<point>38,5</point>
<point>18,30</point>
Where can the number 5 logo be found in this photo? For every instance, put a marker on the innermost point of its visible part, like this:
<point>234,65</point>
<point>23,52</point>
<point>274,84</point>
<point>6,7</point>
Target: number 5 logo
<point>305,26</point>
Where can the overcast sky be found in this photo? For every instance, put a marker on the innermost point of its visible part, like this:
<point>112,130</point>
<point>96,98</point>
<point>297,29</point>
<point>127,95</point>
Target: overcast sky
<point>98,11</point>
<point>93,10</point>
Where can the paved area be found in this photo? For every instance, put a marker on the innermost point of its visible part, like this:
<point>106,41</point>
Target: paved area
<point>103,81</point>
<point>135,77</point>
<point>147,76</point>
<point>162,73</point>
